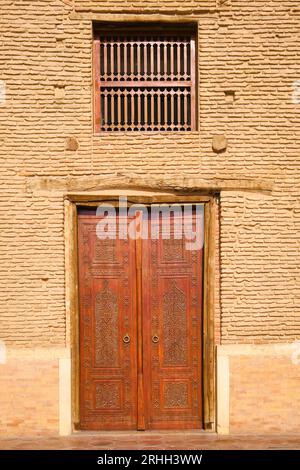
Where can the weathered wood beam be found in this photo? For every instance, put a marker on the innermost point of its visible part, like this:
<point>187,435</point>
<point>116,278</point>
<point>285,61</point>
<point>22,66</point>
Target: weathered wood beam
<point>150,183</point>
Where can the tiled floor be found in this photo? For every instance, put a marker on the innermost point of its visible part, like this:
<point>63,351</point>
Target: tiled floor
<point>153,440</point>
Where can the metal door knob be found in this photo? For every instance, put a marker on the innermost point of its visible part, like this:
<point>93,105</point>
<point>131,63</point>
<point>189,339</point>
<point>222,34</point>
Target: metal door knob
<point>155,339</point>
<point>126,338</point>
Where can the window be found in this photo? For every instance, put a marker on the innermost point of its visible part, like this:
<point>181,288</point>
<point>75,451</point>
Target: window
<point>144,79</point>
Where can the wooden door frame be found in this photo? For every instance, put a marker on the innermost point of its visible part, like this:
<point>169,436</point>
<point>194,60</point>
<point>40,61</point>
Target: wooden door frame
<point>72,201</point>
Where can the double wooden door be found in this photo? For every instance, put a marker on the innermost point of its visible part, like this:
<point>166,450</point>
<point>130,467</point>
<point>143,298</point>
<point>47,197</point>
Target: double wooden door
<point>140,329</point>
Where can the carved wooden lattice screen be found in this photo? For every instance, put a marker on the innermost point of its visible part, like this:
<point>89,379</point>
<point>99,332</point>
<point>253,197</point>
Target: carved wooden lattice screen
<point>144,81</point>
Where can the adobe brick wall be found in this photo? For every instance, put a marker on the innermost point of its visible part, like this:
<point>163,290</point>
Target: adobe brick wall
<point>264,395</point>
<point>29,397</point>
<point>250,49</point>
<point>171,6</point>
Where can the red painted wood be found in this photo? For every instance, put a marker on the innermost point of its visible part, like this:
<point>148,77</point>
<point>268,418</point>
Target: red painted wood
<point>108,365</point>
<point>148,291</point>
<point>172,309</point>
<point>97,110</point>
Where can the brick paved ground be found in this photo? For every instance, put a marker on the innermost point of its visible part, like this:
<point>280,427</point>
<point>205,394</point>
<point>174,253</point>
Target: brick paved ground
<point>153,440</point>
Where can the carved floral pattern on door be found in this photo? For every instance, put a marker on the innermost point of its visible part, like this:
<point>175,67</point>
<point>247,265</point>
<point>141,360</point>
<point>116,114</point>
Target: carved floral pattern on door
<point>106,327</point>
<point>174,326</point>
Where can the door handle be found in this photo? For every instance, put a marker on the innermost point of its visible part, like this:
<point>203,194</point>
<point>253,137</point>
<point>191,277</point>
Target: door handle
<point>155,339</point>
<point>126,338</point>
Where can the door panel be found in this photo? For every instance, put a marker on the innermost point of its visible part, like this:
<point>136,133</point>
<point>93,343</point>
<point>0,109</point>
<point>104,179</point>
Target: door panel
<point>172,309</point>
<point>140,329</point>
<point>108,375</point>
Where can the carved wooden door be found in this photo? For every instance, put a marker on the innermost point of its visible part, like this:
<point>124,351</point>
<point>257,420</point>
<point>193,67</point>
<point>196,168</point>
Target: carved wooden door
<point>108,365</point>
<point>172,313</point>
<point>140,330</point>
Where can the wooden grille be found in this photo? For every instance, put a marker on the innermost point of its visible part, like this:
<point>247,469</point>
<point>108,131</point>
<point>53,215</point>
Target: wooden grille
<point>144,82</point>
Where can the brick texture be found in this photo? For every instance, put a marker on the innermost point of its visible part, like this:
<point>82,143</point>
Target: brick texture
<point>29,397</point>
<point>248,58</point>
<point>139,6</point>
<point>248,62</point>
<point>263,402</point>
